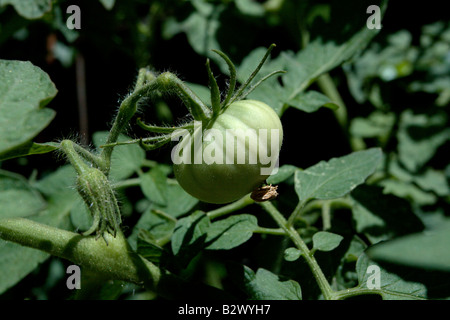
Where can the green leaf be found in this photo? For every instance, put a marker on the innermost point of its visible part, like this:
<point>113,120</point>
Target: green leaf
<point>265,285</point>
<point>337,177</point>
<point>60,181</point>
<point>429,180</point>
<point>17,197</point>
<point>433,180</point>
<point>159,226</point>
<point>30,9</point>
<point>154,185</point>
<point>183,204</point>
<point>326,241</point>
<point>292,254</point>
<point>377,124</point>
<point>419,136</point>
<point>325,52</point>
<point>392,287</point>
<point>24,91</point>
<point>125,159</point>
<point>427,250</point>
<point>408,191</point>
<point>200,27</point>
<point>231,232</point>
<point>382,216</point>
<point>17,261</point>
<point>80,216</point>
<point>29,148</point>
<point>147,248</point>
<point>189,236</point>
<point>311,101</point>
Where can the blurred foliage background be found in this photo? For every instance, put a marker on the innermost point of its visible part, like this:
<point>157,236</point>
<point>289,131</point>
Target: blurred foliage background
<point>396,91</point>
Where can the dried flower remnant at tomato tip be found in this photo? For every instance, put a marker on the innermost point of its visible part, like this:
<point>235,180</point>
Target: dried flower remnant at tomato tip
<point>264,193</point>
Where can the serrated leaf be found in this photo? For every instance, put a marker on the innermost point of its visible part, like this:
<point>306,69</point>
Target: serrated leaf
<point>427,250</point>
<point>157,225</point>
<point>30,9</point>
<point>231,232</point>
<point>24,91</point>
<point>17,197</point>
<point>154,185</point>
<point>433,180</point>
<point>408,191</point>
<point>189,236</point>
<point>125,159</point>
<point>147,248</point>
<point>419,136</point>
<point>265,285</point>
<point>322,54</point>
<point>428,180</point>
<point>377,124</point>
<point>183,204</point>
<point>326,241</point>
<point>311,101</point>
<point>391,286</point>
<point>337,177</point>
<point>382,216</point>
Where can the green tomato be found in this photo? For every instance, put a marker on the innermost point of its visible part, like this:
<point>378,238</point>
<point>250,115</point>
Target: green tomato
<point>236,155</point>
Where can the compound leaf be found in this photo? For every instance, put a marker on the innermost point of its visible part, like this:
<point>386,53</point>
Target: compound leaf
<point>231,232</point>
<point>337,177</point>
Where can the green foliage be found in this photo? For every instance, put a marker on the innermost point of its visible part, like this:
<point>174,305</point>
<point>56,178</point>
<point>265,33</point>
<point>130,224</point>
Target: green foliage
<point>25,91</point>
<point>326,241</point>
<point>264,285</point>
<point>363,183</point>
<point>337,177</point>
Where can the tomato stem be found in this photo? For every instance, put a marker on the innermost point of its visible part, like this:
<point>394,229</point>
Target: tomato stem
<point>290,231</point>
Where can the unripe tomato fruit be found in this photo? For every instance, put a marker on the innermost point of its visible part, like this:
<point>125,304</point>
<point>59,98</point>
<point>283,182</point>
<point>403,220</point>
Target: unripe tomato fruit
<point>220,182</point>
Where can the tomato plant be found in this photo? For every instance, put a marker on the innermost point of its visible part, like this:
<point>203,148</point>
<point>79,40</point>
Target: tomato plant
<point>228,180</point>
<point>316,169</point>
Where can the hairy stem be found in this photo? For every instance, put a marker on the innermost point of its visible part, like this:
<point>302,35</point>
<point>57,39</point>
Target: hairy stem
<point>114,260</point>
<point>301,245</point>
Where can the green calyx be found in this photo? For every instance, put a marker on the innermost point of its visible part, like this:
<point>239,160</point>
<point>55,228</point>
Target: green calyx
<point>169,83</point>
<point>94,188</point>
<point>96,191</point>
